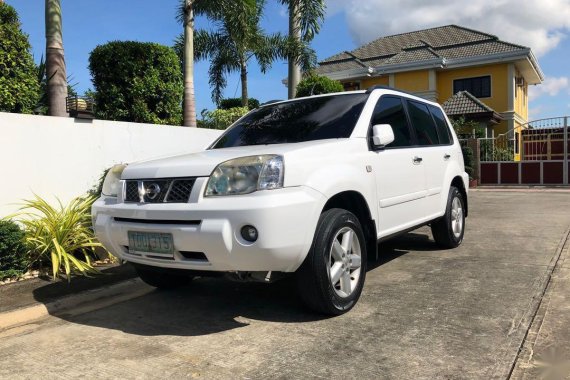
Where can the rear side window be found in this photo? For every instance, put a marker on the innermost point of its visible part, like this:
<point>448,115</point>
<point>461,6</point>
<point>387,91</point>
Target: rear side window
<point>423,124</point>
<point>390,110</point>
<point>441,125</point>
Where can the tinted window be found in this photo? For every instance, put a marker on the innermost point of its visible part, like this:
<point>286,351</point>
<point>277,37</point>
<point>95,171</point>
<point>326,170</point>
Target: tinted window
<point>390,110</point>
<point>479,87</point>
<point>441,125</point>
<point>326,117</point>
<point>423,124</point>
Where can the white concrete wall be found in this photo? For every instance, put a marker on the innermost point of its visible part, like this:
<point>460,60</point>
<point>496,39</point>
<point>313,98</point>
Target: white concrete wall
<point>64,157</point>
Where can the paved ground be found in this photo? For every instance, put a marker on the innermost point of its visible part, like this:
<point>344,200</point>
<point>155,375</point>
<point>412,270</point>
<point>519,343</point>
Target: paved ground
<point>42,289</point>
<point>424,313</point>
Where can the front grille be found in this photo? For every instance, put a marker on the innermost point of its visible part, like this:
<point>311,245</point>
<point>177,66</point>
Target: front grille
<point>169,190</point>
<point>180,190</point>
<point>132,191</point>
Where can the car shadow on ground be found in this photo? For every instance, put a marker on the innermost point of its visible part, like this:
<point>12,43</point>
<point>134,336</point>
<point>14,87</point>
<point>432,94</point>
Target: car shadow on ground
<point>212,305</point>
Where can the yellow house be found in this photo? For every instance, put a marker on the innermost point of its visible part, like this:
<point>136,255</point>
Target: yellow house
<point>488,77</point>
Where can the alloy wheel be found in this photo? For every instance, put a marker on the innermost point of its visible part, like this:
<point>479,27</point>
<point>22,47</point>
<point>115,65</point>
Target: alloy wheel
<point>345,262</point>
<point>456,217</point>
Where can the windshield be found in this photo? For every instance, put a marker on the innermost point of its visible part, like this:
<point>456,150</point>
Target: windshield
<point>319,118</point>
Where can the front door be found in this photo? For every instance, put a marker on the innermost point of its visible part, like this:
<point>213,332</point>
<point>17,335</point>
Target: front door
<point>399,171</point>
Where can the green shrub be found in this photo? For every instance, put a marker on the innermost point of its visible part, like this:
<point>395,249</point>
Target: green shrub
<point>60,235</point>
<point>220,118</point>
<point>315,85</point>
<point>465,129</point>
<point>229,103</point>
<point>138,82</point>
<point>19,87</point>
<point>13,258</point>
<point>468,160</point>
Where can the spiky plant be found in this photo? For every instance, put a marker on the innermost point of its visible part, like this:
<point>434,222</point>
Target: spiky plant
<point>61,235</point>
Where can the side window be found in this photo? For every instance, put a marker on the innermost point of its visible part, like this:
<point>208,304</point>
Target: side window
<point>441,125</point>
<point>390,110</point>
<point>423,124</point>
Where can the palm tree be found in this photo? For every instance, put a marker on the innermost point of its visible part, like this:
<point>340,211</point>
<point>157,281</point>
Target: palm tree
<point>237,39</point>
<point>305,17</point>
<point>189,103</point>
<point>185,45</point>
<point>55,60</point>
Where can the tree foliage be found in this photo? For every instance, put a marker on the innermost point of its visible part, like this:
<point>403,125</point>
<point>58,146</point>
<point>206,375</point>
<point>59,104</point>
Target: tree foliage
<point>137,81</point>
<point>19,87</point>
<point>316,84</point>
<point>13,258</point>
<point>228,103</point>
<point>221,118</point>
<point>466,128</point>
<point>311,13</point>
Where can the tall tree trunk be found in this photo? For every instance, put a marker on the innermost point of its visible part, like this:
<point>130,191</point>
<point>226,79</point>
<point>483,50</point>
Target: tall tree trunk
<point>243,76</point>
<point>189,105</point>
<point>55,60</point>
<point>294,76</point>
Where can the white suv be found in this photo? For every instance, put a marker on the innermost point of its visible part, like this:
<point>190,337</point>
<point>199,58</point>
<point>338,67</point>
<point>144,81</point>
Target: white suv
<point>307,186</point>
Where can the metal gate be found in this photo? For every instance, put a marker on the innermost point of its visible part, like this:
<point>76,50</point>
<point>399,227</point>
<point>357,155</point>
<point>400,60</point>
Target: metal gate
<point>535,153</point>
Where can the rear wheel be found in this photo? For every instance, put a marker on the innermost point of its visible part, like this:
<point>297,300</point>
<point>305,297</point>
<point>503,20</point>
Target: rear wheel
<point>162,279</point>
<point>331,278</point>
<point>449,229</point>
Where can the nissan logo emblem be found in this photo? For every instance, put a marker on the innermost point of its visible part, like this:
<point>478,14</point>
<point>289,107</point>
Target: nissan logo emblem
<point>152,191</point>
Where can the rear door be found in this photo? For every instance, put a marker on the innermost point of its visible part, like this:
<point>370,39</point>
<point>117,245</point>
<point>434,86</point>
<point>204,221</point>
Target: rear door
<point>400,177</point>
<point>434,148</point>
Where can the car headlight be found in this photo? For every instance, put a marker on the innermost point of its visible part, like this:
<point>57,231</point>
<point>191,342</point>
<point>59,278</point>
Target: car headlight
<point>112,182</point>
<point>245,175</point>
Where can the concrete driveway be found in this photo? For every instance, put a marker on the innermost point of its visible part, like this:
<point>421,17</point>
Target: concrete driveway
<point>424,313</point>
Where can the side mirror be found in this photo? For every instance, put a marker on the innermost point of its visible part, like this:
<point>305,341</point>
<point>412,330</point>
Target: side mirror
<point>382,135</point>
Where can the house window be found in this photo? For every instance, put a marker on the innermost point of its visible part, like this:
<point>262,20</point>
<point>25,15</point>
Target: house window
<point>351,86</point>
<point>479,87</point>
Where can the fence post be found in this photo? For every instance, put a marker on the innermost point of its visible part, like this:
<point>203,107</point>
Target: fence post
<point>565,165</point>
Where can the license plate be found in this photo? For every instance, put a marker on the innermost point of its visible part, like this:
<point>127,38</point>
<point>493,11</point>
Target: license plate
<point>151,242</point>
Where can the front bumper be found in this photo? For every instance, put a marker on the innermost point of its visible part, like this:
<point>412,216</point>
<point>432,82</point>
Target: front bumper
<point>286,220</point>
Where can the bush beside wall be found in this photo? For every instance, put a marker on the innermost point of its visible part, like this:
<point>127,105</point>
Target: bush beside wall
<point>137,82</point>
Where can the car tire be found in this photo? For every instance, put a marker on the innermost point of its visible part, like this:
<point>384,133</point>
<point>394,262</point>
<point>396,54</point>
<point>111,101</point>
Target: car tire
<point>448,230</point>
<point>331,278</point>
<point>162,279</point>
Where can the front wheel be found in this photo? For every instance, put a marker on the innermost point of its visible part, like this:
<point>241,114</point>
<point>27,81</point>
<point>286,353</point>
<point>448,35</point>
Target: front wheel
<point>449,229</point>
<point>332,276</point>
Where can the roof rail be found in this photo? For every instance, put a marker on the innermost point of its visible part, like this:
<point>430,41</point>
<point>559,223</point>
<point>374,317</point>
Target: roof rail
<point>270,102</point>
<point>383,87</point>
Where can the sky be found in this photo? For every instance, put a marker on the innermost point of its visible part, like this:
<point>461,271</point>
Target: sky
<point>542,25</point>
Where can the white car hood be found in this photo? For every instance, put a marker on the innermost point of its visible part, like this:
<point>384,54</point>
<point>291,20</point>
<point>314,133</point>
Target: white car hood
<point>201,164</point>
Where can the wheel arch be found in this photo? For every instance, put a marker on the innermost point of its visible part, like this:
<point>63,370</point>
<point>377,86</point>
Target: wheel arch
<point>458,182</point>
<point>355,202</point>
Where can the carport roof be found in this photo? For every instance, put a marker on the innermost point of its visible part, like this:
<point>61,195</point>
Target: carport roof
<point>465,104</point>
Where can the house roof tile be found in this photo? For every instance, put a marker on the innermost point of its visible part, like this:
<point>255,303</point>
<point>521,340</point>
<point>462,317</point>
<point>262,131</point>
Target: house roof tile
<point>445,42</point>
<point>463,103</point>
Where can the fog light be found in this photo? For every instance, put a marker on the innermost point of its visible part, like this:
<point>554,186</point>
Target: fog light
<point>249,233</point>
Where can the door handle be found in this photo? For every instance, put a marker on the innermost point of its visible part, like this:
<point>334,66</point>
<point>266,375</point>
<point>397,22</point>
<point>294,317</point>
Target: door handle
<point>446,156</point>
<point>418,160</point>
